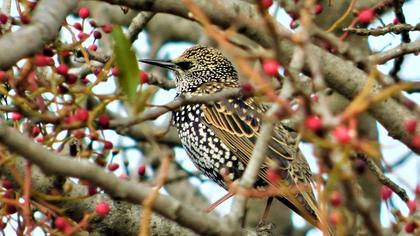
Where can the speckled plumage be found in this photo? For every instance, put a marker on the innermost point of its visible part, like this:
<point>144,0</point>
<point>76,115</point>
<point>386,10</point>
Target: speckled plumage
<point>223,135</point>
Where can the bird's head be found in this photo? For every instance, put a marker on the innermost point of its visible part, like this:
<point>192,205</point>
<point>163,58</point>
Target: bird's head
<point>197,66</point>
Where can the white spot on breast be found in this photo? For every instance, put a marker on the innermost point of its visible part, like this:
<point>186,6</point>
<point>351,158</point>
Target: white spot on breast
<point>229,164</point>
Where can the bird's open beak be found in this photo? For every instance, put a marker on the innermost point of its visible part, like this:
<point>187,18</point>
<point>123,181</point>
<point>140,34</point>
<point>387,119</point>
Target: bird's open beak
<point>161,63</point>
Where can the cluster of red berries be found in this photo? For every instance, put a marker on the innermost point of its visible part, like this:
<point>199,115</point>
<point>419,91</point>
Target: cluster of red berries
<point>84,13</point>
<point>102,209</point>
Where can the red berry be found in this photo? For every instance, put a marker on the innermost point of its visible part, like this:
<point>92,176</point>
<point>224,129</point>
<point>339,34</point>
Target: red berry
<point>395,21</point>
<point>123,176</point>
<point>65,54</point>
<point>92,190</point>
<point>60,223</point>
<point>84,12</point>
<point>82,36</point>
<point>318,8</point>
<point>273,175</point>
<point>342,134</point>
<point>25,19</point>
<point>266,3</point>
<point>35,131</point>
<point>271,67</point>
<point>85,81</point>
<point>108,145</point>
<point>314,97</point>
<point>144,77</point>
<point>81,114</point>
<point>410,125</point>
<point>97,34</point>
<point>386,193</point>
<point>115,71</point>
<point>107,28</point>
<point>141,170</point>
<point>103,121</point>
<point>71,79</point>
<point>336,198</point>
<point>16,116</point>
<point>9,194</point>
<point>102,209</point>
<point>93,23</point>
<point>313,122</point>
<point>39,139</point>
<point>93,47</point>
<point>7,184</point>
<point>78,26</point>
<point>68,230</point>
<point>416,142</point>
<point>410,227</point>
<point>79,134</point>
<point>71,119</point>
<point>62,69</point>
<point>366,16</point>
<point>335,218</point>
<point>10,209</point>
<point>113,166</point>
<point>41,60</point>
<point>3,19</point>
<point>294,24</point>
<point>3,76</point>
<point>412,205</point>
<point>247,88</point>
<point>359,166</point>
<point>32,5</point>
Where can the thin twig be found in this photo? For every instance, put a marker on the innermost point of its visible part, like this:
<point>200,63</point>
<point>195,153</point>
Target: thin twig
<point>151,199</point>
<point>382,178</point>
<point>173,105</point>
<point>27,186</point>
<point>391,28</point>
<point>342,18</point>
<point>402,49</point>
<point>405,38</point>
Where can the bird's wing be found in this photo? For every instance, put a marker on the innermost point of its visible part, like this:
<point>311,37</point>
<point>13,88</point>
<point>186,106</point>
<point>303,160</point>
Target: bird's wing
<point>237,123</point>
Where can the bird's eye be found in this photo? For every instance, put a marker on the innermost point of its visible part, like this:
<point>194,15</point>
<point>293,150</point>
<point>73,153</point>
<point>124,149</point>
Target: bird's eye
<point>184,65</point>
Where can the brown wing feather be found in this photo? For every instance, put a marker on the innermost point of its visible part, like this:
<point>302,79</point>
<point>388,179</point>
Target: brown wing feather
<point>237,122</point>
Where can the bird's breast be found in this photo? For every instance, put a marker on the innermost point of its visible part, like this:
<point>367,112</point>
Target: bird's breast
<point>209,154</point>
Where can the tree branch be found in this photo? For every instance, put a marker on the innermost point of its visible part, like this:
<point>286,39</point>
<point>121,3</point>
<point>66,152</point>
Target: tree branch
<point>400,50</point>
<point>122,219</point>
<point>46,22</point>
<point>54,164</point>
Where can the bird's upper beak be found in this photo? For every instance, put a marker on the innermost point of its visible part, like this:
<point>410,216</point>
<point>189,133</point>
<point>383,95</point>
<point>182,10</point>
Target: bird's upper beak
<point>161,63</point>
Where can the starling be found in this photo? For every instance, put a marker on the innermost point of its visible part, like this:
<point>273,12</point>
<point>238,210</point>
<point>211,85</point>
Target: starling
<point>222,136</point>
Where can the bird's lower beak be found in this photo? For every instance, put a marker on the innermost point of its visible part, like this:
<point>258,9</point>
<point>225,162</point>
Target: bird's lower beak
<point>161,63</point>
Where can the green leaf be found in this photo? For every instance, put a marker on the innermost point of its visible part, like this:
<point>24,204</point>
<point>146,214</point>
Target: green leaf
<point>128,77</point>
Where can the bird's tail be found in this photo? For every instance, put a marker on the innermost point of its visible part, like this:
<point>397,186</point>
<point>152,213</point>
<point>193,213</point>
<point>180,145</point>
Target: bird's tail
<point>305,204</point>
